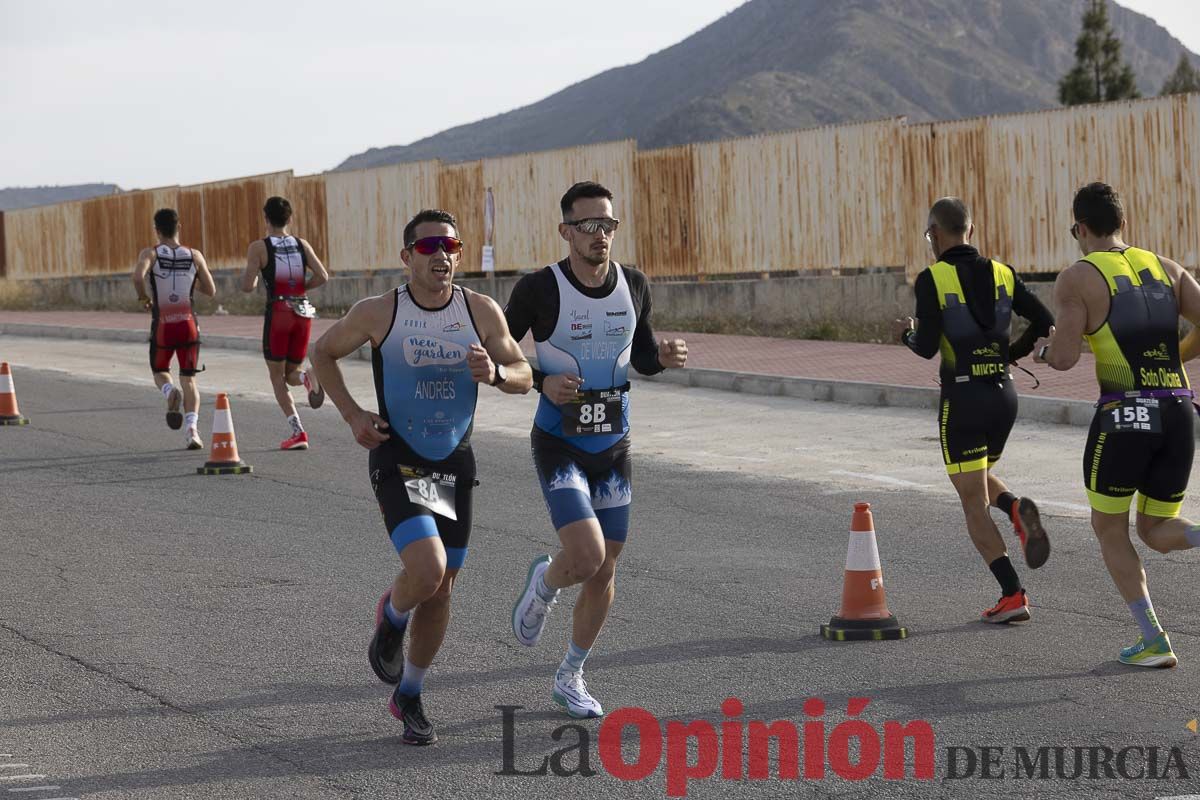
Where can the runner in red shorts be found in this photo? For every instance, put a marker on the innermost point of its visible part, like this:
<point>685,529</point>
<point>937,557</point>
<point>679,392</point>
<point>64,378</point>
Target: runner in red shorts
<point>283,261</point>
<point>174,272</point>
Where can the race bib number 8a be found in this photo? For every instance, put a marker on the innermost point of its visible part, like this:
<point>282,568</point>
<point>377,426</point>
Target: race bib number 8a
<point>435,492</point>
<point>593,414</point>
<point>1134,414</point>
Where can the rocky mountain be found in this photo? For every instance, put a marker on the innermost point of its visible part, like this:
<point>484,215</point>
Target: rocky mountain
<point>774,65</point>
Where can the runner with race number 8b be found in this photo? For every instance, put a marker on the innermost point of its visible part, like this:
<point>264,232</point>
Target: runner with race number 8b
<point>590,318</point>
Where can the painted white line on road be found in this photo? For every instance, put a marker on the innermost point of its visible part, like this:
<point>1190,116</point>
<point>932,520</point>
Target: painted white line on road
<point>14,766</point>
<point>880,478</point>
<point>755,459</point>
<point>47,788</point>
<point>1074,507</point>
<point>21,777</point>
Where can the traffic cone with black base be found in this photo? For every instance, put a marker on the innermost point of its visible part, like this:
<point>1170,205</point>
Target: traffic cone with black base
<point>224,459</point>
<point>864,614</point>
<point>10,414</point>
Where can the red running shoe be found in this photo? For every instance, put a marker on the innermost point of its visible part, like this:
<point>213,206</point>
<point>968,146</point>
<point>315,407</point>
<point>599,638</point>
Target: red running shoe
<point>297,442</point>
<point>1011,608</point>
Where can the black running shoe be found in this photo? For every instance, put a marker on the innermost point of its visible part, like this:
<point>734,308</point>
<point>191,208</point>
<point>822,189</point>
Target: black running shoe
<point>316,393</point>
<point>386,651</point>
<point>1035,541</point>
<point>174,401</point>
<point>408,709</point>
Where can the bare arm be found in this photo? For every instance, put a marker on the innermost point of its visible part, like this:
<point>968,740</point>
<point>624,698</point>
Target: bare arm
<point>145,259</point>
<point>362,323</point>
<point>1063,345</point>
<point>1187,293</point>
<point>498,348</point>
<point>204,278</point>
<point>1189,345</point>
<point>320,275</point>
<point>255,260</point>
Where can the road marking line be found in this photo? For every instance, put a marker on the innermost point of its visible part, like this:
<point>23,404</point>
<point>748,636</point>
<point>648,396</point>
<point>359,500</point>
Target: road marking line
<point>1077,507</point>
<point>36,788</point>
<point>14,766</point>
<point>21,777</point>
<point>880,478</point>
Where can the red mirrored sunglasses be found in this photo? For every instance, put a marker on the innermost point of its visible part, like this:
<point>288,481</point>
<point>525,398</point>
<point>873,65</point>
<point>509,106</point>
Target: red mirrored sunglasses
<point>430,245</point>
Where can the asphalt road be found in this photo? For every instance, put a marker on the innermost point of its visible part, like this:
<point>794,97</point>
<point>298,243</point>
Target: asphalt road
<point>169,635</point>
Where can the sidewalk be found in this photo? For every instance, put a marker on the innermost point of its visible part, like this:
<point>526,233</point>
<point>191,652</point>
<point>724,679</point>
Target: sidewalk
<point>871,374</point>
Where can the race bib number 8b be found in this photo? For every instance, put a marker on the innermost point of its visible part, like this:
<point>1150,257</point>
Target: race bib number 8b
<point>1136,414</point>
<point>593,414</point>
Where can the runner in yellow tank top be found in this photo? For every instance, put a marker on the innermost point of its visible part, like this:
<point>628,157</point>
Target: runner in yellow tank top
<point>1126,302</point>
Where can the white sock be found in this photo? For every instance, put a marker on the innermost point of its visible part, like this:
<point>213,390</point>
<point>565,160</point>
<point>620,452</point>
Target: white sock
<point>190,418</point>
<point>167,388</point>
<point>294,421</point>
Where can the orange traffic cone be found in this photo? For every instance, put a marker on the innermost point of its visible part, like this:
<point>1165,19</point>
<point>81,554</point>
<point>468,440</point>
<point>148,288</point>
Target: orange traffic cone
<point>864,613</point>
<point>224,458</point>
<point>9,413</point>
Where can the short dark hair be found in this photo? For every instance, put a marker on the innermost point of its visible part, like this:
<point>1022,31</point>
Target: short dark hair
<point>166,221</point>
<point>581,190</point>
<point>427,215</point>
<point>278,211</point>
<point>1098,206</point>
<point>951,215</point>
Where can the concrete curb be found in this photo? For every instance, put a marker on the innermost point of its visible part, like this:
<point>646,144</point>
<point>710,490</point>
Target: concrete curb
<point>1054,410</point>
<point>142,337</point>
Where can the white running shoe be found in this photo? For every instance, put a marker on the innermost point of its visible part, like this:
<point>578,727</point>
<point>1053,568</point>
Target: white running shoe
<point>193,440</point>
<point>529,614</point>
<point>571,692</point>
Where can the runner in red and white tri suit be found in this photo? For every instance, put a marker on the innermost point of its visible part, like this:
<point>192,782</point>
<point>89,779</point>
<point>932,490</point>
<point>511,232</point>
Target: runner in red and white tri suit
<point>283,261</point>
<point>172,273</point>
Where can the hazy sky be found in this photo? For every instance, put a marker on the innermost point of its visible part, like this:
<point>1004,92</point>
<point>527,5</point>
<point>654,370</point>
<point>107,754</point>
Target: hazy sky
<point>145,94</point>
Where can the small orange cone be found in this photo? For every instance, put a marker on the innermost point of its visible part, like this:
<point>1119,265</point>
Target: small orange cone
<point>224,458</point>
<point>9,413</point>
<point>864,613</point>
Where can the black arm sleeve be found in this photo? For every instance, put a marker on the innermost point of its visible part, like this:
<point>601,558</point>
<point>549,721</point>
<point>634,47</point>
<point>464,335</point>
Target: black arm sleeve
<point>643,354</point>
<point>521,311</point>
<point>1027,305</point>
<point>929,318</point>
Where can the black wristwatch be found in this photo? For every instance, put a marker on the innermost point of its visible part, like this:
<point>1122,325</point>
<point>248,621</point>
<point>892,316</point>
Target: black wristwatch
<point>501,375</point>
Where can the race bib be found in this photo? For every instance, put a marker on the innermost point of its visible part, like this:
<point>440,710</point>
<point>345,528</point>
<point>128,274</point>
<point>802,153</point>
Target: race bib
<point>302,307</point>
<point>593,414</point>
<point>1136,414</point>
<point>435,492</point>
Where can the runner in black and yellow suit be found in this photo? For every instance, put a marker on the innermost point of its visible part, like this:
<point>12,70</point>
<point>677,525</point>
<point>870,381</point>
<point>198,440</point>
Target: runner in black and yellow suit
<point>965,304</point>
<point>1126,303</point>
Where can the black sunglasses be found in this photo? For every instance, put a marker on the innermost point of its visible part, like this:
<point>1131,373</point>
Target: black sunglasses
<point>594,224</point>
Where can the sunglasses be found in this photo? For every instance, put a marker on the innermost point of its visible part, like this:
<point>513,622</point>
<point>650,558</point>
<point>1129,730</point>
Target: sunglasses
<point>431,244</point>
<point>1075,231</point>
<point>594,225</point>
